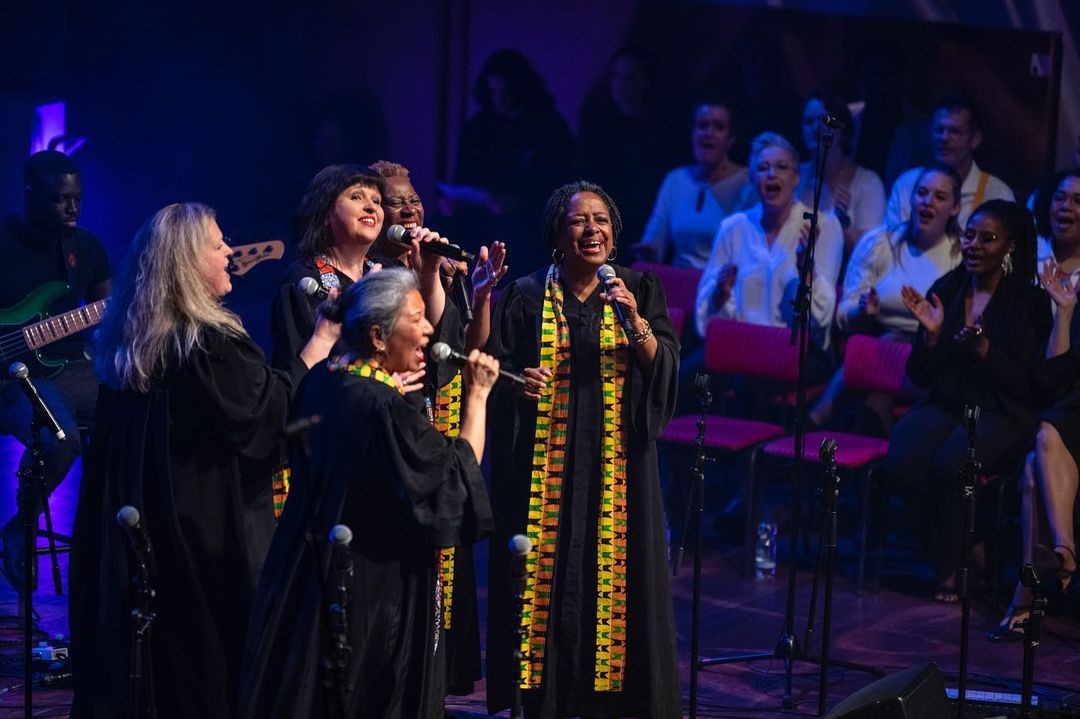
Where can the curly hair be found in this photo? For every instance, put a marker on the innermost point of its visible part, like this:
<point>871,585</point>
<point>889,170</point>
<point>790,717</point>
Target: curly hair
<point>160,304</point>
<point>1044,198</point>
<point>558,203</point>
<point>528,87</point>
<point>310,227</point>
<point>385,168</point>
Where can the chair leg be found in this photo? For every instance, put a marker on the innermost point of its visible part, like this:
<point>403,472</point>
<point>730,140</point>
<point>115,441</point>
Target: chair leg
<point>53,558</point>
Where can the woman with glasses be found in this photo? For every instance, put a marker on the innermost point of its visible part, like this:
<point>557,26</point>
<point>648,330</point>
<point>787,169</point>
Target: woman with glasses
<point>694,200</point>
<point>753,272</point>
<point>982,330</point>
<point>853,193</point>
<point>1050,478</point>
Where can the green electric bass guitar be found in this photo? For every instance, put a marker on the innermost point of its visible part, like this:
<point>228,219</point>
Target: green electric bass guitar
<point>26,329</point>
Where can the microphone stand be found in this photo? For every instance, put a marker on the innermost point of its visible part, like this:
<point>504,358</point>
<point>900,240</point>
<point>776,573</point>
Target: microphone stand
<point>969,473</point>
<point>31,481</point>
<point>141,699</point>
<point>830,490</point>
<point>693,520</point>
<point>1032,626</point>
<point>337,661</point>
<point>787,646</point>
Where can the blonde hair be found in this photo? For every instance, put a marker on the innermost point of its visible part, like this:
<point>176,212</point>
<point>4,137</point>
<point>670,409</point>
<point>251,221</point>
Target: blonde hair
<point>385,168</point>
<point>161,304</point>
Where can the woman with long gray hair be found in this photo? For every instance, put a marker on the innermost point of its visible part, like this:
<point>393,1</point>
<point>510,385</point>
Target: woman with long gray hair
<point>405,489</point>
<point>189,425</point>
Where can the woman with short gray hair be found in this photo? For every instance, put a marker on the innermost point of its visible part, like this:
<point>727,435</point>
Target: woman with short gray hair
<point>374,463</point>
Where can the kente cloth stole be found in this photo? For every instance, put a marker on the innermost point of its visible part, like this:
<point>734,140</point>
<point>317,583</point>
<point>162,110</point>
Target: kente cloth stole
<point>448,421</point>
<point>282,476</point>
<point>363,368</point>
<point>549,462</point>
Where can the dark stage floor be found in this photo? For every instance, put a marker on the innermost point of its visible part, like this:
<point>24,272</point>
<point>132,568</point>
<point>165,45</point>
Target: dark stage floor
<point>891,629</point>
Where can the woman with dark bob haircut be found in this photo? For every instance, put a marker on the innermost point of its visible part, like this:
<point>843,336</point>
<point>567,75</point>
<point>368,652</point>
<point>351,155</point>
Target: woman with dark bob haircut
<point>982,331</point>
<point>575,470</point>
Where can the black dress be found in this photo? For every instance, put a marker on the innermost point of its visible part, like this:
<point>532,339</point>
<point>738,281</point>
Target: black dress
<point>1060,378</point>
<point>651,687</point>
<point>405,490</point>
<point>194,456</point>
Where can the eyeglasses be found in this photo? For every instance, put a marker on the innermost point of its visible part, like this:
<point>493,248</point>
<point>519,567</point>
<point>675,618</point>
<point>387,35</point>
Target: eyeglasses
<point>985,236</point>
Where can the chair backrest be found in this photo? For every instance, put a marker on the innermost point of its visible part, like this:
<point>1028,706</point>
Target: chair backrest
<point>755,350</point>
<point>680,284</point>
<point>872,364</point>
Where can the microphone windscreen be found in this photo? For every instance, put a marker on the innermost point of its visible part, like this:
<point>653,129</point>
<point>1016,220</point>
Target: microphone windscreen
<point>605,273</point>
<point>520,545</point>
<point>397,233</point>
<point>308,285</point>
<point>128,517</point>
<point>18,370</point>
<point>340,535</point>
<point>440,351</point>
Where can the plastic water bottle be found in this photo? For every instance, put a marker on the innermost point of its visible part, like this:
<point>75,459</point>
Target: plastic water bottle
<point>765,553</point>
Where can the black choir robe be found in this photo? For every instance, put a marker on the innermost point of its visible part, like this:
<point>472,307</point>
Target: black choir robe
<point>292,322</point>
<point>378,466</point>
<point>651,687</point>
<point>195,456</point>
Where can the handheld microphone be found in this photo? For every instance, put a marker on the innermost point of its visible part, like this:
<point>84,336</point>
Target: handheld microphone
<point>128,518</point>
<point>461,298</point>
<point>606,273</point>
<point>397,233</point>
<point>441,351</point>
<point>520,546</point>
<point>311,287</point>
<point>832,122</point>
<point>21,374</point>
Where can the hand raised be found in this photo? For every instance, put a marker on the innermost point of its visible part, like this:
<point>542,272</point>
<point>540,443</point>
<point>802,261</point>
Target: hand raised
<point>929,312</point>
<point>1058,285</point>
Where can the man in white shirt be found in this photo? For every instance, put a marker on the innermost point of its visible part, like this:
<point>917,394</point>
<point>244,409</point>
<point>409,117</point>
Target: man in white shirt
<point>955,135</point>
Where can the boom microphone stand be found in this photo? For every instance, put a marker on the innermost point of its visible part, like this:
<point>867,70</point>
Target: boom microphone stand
<point>336,661</point>
<point>141,699</point>
<point>694,510</point>
<point>1032,626</point>
<point>787,646</point>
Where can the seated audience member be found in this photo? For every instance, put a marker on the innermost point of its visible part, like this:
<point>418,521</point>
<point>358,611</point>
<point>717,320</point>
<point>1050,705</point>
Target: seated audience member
<point>752,274</point>
<point>851,192</point>
<point>914,254</point>
<point>509,156</point>
<point>955,134</point>
<point>693,200</point>
<point>627,139</point>
<point>1050,478</point>
<point>982,329</point>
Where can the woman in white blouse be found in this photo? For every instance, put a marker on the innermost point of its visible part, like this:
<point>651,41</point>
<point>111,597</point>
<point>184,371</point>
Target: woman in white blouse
<point>752,274</point>
<point>914,254</point>
<point>693,200</point>
<point>853,193</point>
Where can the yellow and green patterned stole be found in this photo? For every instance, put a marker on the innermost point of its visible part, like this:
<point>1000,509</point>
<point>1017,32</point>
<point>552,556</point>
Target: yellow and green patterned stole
<point>549,462</point>
<point>448,421</point>
<point>363,368</point>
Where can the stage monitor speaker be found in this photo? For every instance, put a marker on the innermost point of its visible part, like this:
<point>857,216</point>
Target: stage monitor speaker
<point>915,693</point>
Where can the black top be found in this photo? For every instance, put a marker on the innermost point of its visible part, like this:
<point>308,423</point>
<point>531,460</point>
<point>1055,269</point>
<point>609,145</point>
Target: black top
<point>1017,322</point>
<point>651,686</point>
<point>195,456</point>
<point>29,260</point>
<point>292,321</point>
<point>376,465</point>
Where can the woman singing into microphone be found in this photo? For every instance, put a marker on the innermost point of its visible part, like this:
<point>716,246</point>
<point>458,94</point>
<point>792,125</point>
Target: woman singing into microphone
<point>406,490</point>
<point>575,468</point>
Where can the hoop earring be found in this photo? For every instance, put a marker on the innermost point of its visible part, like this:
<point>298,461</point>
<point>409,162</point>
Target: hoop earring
<point>614,252</point>
<point>557,257</point>
<point>1007,264</point>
